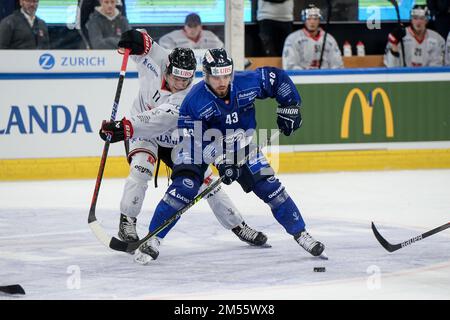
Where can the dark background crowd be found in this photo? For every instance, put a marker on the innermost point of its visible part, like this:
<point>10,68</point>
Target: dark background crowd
<point>343,26</point>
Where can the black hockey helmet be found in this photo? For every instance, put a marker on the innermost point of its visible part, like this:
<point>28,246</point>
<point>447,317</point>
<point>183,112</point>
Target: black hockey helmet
<point>182,63</point>
<point>217,62</point>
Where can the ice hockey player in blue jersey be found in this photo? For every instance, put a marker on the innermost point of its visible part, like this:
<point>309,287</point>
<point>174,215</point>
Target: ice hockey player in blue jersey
<point>218,120</point>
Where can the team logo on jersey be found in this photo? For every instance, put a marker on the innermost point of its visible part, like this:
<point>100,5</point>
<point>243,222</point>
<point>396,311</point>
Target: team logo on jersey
<point>367,111</point>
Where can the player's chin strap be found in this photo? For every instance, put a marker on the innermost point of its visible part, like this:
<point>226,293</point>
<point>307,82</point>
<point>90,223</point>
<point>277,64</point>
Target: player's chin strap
<point>119,245</point>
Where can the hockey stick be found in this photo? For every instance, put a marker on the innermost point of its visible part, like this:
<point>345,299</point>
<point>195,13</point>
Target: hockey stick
<point>394,247</point>
<point>397,10</point>
<point>12,289</point>
<point>119,245</point>
<point>92,220</point>
<point>326,33</point>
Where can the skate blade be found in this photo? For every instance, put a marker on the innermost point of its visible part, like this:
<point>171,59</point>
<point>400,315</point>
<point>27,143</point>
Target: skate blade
<point>142,259</point>
<point>323,256</point>
<point>264,246</point>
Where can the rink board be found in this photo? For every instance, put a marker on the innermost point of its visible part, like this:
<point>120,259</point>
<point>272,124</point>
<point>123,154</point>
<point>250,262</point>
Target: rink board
<point>289,162</point>
<point>49,121</point>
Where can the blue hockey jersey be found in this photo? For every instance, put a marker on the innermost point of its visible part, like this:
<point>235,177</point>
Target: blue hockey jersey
<point>202,110</point>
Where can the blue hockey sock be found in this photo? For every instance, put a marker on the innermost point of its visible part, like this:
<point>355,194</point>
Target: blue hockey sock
<point>289,216</point>
<point>162,213</point>
<point>272,192</point>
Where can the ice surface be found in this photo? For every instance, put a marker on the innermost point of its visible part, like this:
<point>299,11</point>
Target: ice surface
<point>48,248</point>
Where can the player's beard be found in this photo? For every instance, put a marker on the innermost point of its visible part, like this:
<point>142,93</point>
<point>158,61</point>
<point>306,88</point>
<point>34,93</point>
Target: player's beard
<point>222,92</point>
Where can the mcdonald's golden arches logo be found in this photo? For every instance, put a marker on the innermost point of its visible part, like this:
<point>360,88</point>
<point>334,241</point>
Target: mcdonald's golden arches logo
<point>367,111</point>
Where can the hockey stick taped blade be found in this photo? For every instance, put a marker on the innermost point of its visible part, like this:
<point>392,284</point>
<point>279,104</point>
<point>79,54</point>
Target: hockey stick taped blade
<point>12,289</point>
<point>104,238</point>
<point>119,245</point>
<point>100,233</point>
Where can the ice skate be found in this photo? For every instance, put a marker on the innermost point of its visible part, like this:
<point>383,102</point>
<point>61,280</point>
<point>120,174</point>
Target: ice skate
<point>148,251</point>
<point>311,245</point>
<point>127,229</point>
<point>251,236</point>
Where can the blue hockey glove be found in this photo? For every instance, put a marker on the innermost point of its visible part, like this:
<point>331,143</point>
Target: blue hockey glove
<point>229,172</point>
<point>289,119</point>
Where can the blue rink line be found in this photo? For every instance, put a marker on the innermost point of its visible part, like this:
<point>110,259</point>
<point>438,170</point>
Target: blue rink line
<point>65,75</point>
<point>198,74</point>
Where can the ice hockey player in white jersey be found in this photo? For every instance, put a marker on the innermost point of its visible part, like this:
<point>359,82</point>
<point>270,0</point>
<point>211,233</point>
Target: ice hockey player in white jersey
<point>302,48</point>
<point>165,79</point>
<point>423,47</point>
<point>191,36</point>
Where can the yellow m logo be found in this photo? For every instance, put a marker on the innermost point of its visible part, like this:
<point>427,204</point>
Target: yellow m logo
<point>367,110</point>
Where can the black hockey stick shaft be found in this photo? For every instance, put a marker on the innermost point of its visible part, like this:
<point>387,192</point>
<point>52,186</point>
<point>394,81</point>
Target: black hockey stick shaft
<point>397,10</point>
<point>92,220</point>
<point>394,247</point>
<point>12,289</point>
<point>326,33</point>
<point>130,247</point>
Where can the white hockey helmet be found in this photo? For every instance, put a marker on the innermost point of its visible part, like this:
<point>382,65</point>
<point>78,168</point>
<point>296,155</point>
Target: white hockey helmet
<point>419,11</point>
<point>312,11</point>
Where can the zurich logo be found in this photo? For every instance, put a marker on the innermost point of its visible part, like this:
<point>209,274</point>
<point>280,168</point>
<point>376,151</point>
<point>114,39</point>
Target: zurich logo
<point>46,61</point>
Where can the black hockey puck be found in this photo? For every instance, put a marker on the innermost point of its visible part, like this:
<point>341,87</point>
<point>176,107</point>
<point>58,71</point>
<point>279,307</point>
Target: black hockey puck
<point>319,269</point>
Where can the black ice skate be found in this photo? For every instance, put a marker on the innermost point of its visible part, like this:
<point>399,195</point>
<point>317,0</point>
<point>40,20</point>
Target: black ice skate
<point>249,235</point>
<point>311,245</point>
<point>127,229</point>
<point>148,251</point>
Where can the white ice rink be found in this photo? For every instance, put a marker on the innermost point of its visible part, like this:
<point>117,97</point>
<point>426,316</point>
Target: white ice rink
<point>48,248</point>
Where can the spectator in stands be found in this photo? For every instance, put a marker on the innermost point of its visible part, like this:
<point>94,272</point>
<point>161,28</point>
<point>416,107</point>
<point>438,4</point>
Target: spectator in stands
<point>23,29</point>
<point>303,48</point>
<point>423,47</point>
<point>275,21</point>
<point>440,11</point>
<point>7,7</point>
<point>191,36</point>
<point>105,25</point>
<point>447,51</point>
<point>86,7</point>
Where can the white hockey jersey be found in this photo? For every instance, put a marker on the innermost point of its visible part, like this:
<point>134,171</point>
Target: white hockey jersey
<point>154,113</point>
<point>426,53</point>
<point>302,51</point>
<point>447,51</point>
<point>178,38</point>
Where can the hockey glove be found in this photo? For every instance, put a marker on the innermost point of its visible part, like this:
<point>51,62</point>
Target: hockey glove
<point>229,172</point>
<point>289,119</point>
<point>119,130</point>
<point>139,42</point>
<point>397,34</point>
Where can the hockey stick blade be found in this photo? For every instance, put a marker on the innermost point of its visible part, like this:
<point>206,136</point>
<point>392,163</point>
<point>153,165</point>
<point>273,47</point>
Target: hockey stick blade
<point>394,247</point>
<point>12,289</point>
